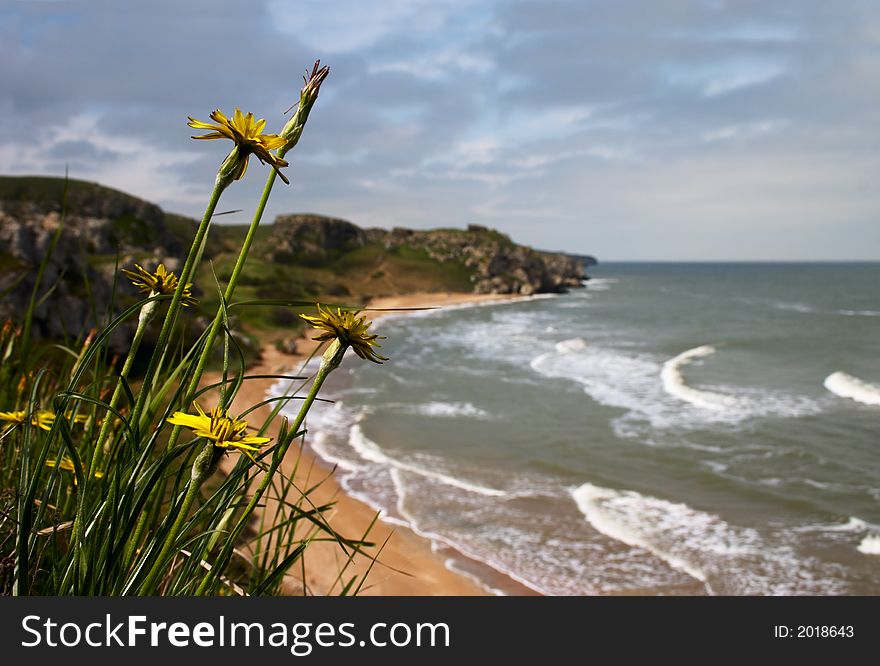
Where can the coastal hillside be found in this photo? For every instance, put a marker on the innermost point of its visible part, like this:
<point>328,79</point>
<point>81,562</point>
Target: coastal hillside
<point>301,256</point>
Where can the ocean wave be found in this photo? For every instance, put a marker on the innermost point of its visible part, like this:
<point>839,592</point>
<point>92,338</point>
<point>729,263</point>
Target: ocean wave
<point>847,386</point>
<point>853,524</point>
<point>438,537</point>
<point>370,451</point>
<point>726,559</point>
<point>600,284</point>
<point>633,381</point>
<point>571,345</point>
<point>674,383</point>
<point>393,316</point>
<point>859,313</point>
<point>501,335</point>
<point>328,422</point>
<point>870,545</point>
<point>793,307</point>
<point>451,410</point>
<point>611,378</point>
<point>594,503</point>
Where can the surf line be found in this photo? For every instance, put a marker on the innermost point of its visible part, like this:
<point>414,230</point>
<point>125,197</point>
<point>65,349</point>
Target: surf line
<point>847,386</point>
<point>674,384</point>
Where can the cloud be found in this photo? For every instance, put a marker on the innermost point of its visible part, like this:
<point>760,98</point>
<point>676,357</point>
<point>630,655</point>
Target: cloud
<point>678,129</point>
<point>723,77</point>
<point>126,163</point>
<point>744,131</point>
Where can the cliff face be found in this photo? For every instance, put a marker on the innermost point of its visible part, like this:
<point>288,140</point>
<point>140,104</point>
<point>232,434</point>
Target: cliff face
<point>314,239</point>
<point>499,265</point>
<point>100,223</point>
<point>299,257</point>
<point>496,265</point>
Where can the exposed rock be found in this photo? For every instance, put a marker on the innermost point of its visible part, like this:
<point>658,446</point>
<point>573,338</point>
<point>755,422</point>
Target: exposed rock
<point>314,238</point>
<point>98,222</point>
<point>498,265</point>
<point>102,224</point>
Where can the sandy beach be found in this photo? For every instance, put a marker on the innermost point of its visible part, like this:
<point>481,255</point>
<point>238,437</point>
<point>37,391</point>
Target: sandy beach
<point>407,565</point>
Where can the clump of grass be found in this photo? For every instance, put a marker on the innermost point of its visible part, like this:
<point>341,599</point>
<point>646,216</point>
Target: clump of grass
<point>109,483</point>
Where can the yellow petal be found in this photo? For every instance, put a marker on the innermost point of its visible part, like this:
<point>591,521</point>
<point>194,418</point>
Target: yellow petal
<point>253,439</point>
<point>212,135</point>
<point>201,124</point>
<point>218,115</point>
<point>187,420</point>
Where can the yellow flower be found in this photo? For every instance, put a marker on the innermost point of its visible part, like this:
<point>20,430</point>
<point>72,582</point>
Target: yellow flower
<point>66,464</point>
<point>248,138</point>
<point>349,329</point>
<point>160,281</point>
<point>224,431</point>
<point>41,419</point>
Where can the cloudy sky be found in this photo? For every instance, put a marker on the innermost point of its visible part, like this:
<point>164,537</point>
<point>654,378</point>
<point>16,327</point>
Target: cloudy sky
<point>652,130</point>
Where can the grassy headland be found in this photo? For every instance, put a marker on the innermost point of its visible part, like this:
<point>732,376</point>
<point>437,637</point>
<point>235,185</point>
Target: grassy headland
<point>299,257</point>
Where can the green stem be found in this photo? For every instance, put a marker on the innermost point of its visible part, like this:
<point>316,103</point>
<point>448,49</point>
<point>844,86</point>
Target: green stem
<point>330,361</point>
<point>146,314</point>
<point>204,465</point>
<point>332,358</point>
<point>227,296</point>
<point>174,308</point>
<point>135,538</point>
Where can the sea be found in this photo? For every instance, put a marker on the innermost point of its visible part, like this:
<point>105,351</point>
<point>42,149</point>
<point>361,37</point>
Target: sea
<point>670,428</point>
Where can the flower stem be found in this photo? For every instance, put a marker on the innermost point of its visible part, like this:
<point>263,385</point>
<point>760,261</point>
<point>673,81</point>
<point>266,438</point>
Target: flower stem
<point>227,296</point>
<point>328,364</point>
<point>204,465</point>
<point>186,274</point>
<point>146,314</point>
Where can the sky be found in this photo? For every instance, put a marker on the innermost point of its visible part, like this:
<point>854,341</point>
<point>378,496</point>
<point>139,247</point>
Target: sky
<point>656,130</point>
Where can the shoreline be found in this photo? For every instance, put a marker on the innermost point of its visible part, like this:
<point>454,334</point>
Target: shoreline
<point>409,564</point>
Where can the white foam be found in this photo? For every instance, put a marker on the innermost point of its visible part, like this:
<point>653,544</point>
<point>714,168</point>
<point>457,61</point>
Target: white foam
<point>727,559</point>
<point>600,284</point>
<point>847,386</point>
<point>319,445</point>
<point>870,545</point>
<point>437,538</point>
<point>631,381</point>
<point>674,384</point>
<point>392,315</point>
<point>592,501</point>
<point>859,313</point>
<point>853,524</point>
<point>369,450</point>
<point>571,345</point>
<point>451,410</point>
<point>793,307</point>
<point>453,566</point>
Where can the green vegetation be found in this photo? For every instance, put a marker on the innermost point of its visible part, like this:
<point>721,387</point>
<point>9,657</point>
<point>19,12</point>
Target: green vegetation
<point>46,188</point>
<point>118,482</point>
<point>354,276</point>
<point>351,274</point>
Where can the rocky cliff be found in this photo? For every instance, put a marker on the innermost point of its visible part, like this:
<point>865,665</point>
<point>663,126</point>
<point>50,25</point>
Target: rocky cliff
<point>78,281</point>
<point>494,263</point>
<point>297,257</point>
